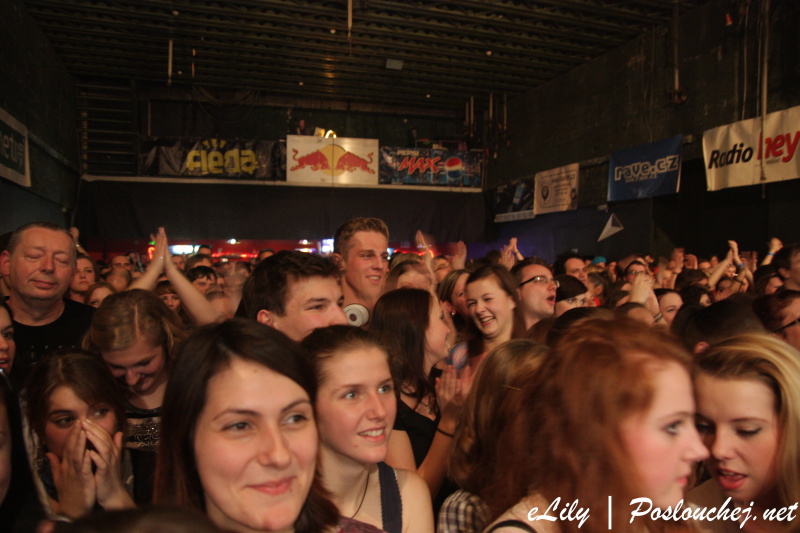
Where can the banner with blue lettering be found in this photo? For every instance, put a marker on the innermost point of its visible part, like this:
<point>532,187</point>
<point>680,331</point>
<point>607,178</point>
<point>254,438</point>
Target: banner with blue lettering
<point>643,171</point>
<point>430,166</point>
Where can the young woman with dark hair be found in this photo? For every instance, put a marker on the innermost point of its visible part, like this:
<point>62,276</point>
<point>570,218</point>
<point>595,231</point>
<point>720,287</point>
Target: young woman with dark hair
<point>242,441</point>
<point>410,323</point>
<point>356,407</point>
<point>77,421</point>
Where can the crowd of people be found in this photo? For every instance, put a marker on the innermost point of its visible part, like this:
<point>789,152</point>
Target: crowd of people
<point>414,393</point>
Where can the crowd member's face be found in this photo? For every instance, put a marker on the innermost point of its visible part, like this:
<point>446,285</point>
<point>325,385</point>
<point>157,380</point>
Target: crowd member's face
<point>84,276</point>
<point>41,266</point>
<point>441,268</point>
<point>437,336</point>
<point>459,296</point>
<point>576,267</point>
<point>122,261</point>
<point>118,279</point>
<point>142,367</point>
<point>311,303</point>
<point>179,261</point>
<point>723,289</point>
<point>66,412</point>
<point>635,271</point>
<point>98,295</point>
<point>172,300</point>
<point>203,284</point>
<point>790,331</point>
<point>7,345</point>
<point>739,425</point>
<point>669,305</point>
<point>365,264</point>
<point>491,308</point>
<point>538,292</point>
<point>562,306</point>
<point>356,405</point>
<point>5,453</point>
<point>662,442</point>
<point>255,452</point>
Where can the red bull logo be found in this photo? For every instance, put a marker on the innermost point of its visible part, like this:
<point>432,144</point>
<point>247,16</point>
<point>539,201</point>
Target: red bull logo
<point>315,161</point>
<point>333,159</point>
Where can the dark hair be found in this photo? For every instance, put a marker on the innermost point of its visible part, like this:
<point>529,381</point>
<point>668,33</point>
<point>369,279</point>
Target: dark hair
<point>635,262</point>
<point>572,318</point>
<point>569,287</point>
<point>268,285</point>
<point>400,321</point>
<point>21,504</point>
<point>559,265</point>
<point>84,373</point>
<point>689,276</point>
<point>692,294</point>
<point>769,309</point>
<point>323,343</point>
<point>783,257</point>
<point>516,270</point>
<point>201,272</point>
<point>762,276</point>
<point>209,351</point>
<point>719,321</point>
<point>194,259</point>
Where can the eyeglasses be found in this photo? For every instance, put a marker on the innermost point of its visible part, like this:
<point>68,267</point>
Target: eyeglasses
<point>790,324</point>
<point>540,280</point>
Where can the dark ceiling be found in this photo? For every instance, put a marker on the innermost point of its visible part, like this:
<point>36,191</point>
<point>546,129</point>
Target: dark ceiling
<point>300,49</point>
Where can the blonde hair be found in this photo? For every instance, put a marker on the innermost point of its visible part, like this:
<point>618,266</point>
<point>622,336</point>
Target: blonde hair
<point>771,361</point>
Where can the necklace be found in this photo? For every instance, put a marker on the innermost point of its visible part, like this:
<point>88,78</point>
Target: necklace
<point>363,497</point>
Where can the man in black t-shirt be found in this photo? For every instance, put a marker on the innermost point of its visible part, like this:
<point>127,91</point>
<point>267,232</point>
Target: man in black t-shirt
<point>38,264</point>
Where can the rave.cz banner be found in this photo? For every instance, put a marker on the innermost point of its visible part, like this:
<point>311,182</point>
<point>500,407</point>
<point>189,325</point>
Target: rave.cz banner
<point>643,171</point>
<point>210,158</point>
<point>430,166</point>
<point>734,153</point>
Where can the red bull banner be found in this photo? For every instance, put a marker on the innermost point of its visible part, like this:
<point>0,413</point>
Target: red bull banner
<point>431,166</point>
<point>331,160</point>
<point>210,158</point>
<point>739,154</point>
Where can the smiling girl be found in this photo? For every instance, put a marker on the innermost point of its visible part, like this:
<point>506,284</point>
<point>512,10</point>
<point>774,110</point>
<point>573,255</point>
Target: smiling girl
<point>356,408</point>
<point>493,305</point>
<point>748,403</point>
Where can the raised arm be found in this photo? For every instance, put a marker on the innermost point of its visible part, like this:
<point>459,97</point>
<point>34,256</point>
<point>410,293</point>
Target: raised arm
<point>775,244</point>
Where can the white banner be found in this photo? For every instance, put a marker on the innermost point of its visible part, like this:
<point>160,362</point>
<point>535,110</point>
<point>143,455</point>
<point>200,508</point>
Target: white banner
<point>556,189</point>
<point>325,161</point>
<point>734,153</point>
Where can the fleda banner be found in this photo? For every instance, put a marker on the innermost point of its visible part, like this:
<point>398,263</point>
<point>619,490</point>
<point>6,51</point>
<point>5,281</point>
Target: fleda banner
<point>739,154</point>
<point>248,159</point>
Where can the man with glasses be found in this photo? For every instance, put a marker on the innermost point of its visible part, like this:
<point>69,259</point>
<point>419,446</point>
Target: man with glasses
<point>536,288</point>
